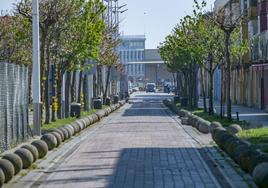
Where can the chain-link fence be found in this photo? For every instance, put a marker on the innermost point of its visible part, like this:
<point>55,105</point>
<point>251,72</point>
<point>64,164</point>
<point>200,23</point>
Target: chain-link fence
<point>13,105</point>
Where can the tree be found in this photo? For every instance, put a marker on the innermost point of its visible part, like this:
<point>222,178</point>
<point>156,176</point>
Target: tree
<point>228,19</point>
<point>211,39</point>
<point>108,56</point>
<point>15,40</point>
<point>71,32</point>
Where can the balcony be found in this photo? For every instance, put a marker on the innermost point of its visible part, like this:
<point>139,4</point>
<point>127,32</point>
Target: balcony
<point>259,47</point>
<point>252,12</point>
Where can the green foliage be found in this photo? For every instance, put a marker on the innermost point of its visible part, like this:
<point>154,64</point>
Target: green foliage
<point>61,122</point>
<point>256,136</point>
<point>84,33</point>
<point>198,42</point>
<point>15,39</point>
<point>238,46</point>
<point>224,121</point>
<point>186,43</point>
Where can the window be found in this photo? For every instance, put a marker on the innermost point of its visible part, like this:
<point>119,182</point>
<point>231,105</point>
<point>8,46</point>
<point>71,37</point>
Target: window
<point>121,56</point>
<point>142,55</point>
<point>127,55</point>
<point>131,55</point>
<point>132,69</point>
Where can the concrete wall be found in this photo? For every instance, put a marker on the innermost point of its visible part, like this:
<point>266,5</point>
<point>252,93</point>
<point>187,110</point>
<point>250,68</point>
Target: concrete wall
<point>152,55</point>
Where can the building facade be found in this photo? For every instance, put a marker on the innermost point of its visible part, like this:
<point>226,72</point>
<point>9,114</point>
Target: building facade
<point>250,75</point>
<point>132,50</point>
<point>155,69</point>
<point>258,36</point>
<point>142,65</point>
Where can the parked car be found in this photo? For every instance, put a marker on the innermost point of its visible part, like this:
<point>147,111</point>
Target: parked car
<point>151,87</point>
<point>135,89</point>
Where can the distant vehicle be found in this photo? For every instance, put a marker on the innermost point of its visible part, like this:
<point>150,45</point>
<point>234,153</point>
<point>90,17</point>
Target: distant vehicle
<point>172,89</point>
<point>135,89</point>
<point>151,87</point>
<point>166,89</point>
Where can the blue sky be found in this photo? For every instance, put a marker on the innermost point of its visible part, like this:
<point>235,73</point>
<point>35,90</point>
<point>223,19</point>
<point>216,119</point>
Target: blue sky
<point>154,18</point>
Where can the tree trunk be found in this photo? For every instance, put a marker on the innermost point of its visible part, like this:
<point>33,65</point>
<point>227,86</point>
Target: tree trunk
<point>195,89</point>
<point>228,75</point>
<point>211,95</point>
<point>47,88</point>
<point>175,84</point>
<point>73,88</point>
<point>80,86</point>
<point>43,70</point>
<point>59,94</point>
<point>222,92</point>
<point>179,84</point>
<point>95,86</point>
<point>203,91</point>
<point>107,82</point>
<point>67,94</point>
<point>99,81</point>
<point>30,84</point>
<point>190,86</point>
<point>85,93</point>
<point>54,90</point>
<point>211,87</point>
<point>185,84</point>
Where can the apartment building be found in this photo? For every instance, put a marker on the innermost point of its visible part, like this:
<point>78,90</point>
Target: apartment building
<point>250,74</point>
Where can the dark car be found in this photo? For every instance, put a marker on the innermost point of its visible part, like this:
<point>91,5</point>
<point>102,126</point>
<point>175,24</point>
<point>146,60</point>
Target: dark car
<point>150,87</point>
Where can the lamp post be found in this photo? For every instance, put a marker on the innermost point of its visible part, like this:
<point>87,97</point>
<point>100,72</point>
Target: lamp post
<point>36,69</point>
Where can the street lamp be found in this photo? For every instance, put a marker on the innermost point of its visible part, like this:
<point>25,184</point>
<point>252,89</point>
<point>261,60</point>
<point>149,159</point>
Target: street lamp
<point>36,70</point>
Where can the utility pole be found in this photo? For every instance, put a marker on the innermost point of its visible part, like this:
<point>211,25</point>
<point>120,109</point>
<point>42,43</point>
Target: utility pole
<point>36,69</point>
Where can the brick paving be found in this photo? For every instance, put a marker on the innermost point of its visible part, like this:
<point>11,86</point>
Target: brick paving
<point>139,146</point>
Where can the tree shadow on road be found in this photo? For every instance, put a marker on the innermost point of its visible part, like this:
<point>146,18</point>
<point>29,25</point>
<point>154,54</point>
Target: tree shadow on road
<point>146,108</point>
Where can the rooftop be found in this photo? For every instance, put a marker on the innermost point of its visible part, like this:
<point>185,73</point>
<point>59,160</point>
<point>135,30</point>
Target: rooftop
<point>132,37</point>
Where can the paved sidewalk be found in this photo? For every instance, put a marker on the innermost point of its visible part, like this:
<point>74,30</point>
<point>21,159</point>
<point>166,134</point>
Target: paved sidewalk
<point>252,115</point>
<point>139,146</point>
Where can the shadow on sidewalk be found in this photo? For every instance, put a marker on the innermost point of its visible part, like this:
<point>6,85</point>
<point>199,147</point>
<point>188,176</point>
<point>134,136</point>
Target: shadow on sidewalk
<point>139,167</point>
<point>146,108</point>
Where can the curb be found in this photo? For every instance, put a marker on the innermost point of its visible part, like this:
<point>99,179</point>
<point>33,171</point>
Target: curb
<point>241,152</point>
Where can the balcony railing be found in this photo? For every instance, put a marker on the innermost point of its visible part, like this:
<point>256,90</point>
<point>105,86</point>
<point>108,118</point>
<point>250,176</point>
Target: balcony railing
<point>259,47</point>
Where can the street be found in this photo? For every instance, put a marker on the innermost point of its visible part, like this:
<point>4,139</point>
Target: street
<point>141,145</point>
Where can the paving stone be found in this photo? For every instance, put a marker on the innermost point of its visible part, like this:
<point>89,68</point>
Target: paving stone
<point>139,146</point>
